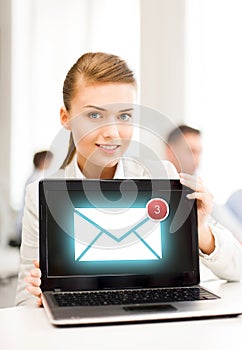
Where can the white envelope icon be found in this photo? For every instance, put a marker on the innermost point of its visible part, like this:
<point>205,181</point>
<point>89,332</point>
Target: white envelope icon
<point>103,234</point>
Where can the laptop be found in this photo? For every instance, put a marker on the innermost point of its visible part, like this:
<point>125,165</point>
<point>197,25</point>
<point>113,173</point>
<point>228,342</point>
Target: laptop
<point>118,251</point>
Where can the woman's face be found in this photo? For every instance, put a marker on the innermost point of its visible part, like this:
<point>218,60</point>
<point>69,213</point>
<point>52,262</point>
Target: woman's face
<point>101,118</point>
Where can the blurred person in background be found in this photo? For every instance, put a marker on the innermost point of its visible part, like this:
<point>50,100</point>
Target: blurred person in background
<point>234,203</point>
<point>230,214</point>
<point>184,150</point>
<point>41,162</point>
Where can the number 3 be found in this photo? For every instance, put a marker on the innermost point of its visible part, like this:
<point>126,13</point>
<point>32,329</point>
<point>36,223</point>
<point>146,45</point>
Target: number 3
<point>156,209</point>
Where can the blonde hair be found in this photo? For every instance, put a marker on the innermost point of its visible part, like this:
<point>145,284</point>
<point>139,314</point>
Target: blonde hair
<point>97,67</point>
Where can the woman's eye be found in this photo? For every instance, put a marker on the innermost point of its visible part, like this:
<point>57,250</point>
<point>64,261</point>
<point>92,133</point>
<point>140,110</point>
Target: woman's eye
<point>125,117</point>
<point>94,115</point>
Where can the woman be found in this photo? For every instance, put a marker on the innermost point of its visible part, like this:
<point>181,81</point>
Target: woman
<point>98,93</point>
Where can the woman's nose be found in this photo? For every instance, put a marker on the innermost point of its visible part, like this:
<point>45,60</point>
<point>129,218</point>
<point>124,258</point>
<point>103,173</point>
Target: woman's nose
<point>110,131</point>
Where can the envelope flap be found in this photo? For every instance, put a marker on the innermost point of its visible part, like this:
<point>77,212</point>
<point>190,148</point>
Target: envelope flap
<point>114,218</point>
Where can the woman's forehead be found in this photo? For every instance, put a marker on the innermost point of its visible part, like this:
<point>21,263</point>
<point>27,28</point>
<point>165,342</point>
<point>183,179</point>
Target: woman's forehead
<point>104,94</point>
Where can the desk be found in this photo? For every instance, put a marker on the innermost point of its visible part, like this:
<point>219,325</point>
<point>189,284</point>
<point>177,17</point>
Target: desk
<point>29,329</point>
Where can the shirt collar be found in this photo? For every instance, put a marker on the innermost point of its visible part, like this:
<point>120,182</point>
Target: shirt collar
<point>119,173</point>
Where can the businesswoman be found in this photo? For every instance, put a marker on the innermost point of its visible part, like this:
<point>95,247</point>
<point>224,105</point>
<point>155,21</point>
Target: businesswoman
<point>99,92</point>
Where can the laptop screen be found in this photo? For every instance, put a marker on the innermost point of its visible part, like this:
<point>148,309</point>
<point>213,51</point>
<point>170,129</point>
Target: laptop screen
<point>117,233</point>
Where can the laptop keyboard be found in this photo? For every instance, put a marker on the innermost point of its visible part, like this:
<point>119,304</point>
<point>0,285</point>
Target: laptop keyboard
<point>125,297</point>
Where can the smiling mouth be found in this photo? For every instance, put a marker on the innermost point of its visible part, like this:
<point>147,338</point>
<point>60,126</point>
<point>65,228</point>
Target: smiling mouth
<point>108,148</point>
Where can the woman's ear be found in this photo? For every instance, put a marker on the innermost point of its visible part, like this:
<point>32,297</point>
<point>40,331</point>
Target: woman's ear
<point>65,118</point>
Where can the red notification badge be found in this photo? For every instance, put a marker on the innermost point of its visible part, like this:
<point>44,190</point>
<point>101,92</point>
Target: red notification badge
<point>157,209</point>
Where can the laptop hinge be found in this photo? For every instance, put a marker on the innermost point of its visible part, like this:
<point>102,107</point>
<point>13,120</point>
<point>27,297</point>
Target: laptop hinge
<point>57,290</point>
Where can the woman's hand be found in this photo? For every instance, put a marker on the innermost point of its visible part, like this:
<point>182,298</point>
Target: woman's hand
<point>204,206</point>
<point>34,280</point>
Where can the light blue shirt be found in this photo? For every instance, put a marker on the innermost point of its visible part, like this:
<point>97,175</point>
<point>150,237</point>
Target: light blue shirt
<point>234,203</point>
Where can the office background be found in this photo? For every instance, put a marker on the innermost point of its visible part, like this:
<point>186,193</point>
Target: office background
<point>186,55</point>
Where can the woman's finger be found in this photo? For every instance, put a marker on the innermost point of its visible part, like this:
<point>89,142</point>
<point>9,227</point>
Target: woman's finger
<point>36,291</point>
<point>201,196</point>
<point>36,264</point>
<point>193,182</point>
<point>34,281</point>
<point>35,273</point>
<point>39,301</point>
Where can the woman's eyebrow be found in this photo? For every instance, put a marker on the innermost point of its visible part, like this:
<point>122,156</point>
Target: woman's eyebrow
<point>95,107</point>
<point>104,109</point>
<point>126,110</point>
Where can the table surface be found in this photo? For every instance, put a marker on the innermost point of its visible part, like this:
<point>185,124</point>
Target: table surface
<point>28,328</point>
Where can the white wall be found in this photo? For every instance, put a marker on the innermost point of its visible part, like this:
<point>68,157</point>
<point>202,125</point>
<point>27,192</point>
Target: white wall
<point>5,115</point>
<point>213,89</point>
<point>162,68</point>
<point>47,38</point>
